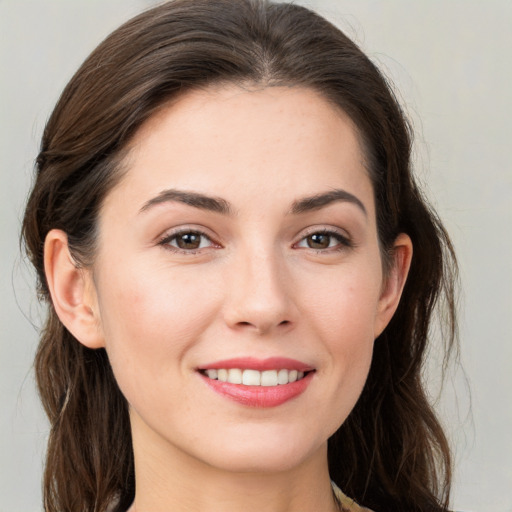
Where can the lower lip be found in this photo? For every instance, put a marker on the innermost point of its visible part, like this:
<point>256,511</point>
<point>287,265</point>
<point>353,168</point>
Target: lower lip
<point>259,396</point>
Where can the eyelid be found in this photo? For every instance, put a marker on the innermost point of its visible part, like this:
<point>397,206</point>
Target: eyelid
<point>344,239</point>
<point>165,239</point>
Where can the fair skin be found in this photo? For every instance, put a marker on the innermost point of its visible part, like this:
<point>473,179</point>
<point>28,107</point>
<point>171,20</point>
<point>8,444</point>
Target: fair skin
<point>258,272</point>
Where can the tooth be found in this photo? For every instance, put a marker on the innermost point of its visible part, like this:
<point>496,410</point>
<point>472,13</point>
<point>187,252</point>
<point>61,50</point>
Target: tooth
<point>282,377</point>
<point>211,373</point>
<point>269,378</point>
<point>251,378</point>
<point>235,376</point>
<point>254,377</point>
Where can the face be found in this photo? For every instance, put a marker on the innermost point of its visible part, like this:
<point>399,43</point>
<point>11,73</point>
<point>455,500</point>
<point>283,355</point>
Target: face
<point>241,243</point>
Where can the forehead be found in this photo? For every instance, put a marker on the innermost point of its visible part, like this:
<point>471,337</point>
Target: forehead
<point>253,142</point>
<point>234,112</point>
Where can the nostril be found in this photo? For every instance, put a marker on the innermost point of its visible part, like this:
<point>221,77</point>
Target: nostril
<point>261,326</point>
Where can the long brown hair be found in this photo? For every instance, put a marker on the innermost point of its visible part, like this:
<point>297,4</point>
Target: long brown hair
<point>391,453</point>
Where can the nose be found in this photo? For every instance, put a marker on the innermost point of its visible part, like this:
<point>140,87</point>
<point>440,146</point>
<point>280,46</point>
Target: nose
<point>259,294</point>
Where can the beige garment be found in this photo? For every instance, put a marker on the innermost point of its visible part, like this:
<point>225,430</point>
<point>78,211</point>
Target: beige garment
<point>348,504</point>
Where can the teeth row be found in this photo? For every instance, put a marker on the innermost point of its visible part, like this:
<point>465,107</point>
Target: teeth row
<point>254,377</point>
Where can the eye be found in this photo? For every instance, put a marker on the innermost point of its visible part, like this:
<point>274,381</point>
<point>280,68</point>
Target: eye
<point>323,240</point>
<point>186,241</point>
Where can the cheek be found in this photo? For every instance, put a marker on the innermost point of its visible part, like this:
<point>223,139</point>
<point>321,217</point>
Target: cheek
<point>344,318</point>
<point>150,320</point>
<point>347,306</point>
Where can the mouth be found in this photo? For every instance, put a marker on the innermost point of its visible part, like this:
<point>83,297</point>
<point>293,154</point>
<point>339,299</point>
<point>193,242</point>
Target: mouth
<point>249,377</point>
<point>258,383</point>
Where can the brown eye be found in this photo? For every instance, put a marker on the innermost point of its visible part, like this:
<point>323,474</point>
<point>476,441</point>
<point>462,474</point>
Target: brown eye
<point>319,241</point>
<point>187,241</point>
<point>325,241</point>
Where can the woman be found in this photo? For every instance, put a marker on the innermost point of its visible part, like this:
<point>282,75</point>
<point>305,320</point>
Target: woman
<point>223,224</point>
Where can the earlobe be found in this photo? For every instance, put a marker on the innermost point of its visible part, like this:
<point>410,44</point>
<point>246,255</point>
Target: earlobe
<point>72,291</point>
<point>394,282</point>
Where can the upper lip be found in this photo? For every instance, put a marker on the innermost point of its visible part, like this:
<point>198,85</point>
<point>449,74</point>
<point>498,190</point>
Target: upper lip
<point>252,363</point>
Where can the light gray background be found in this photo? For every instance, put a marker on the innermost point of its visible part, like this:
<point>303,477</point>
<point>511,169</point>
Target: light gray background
<point>451,61</point>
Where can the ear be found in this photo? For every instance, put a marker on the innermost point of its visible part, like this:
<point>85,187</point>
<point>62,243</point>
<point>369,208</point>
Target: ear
<point>72,291</point>
<point>394,282</point>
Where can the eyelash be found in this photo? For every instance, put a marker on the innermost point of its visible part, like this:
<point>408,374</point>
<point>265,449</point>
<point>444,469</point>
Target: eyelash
<point>167,239</point>
<point>343,241</point>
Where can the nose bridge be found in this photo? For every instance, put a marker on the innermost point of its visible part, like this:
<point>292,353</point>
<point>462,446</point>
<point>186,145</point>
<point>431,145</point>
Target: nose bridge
<point>259,294</point>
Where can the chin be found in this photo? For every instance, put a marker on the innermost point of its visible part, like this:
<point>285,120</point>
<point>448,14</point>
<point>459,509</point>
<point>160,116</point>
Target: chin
<point>265,452</point>
<point>258,463</point>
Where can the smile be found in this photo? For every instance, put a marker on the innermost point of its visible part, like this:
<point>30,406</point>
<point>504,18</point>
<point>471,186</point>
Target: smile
<point>258,383</point>
<point>250,377</point>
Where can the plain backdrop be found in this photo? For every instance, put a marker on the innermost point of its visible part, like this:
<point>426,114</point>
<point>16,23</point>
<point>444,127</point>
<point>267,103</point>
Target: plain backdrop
<point>451,61</point>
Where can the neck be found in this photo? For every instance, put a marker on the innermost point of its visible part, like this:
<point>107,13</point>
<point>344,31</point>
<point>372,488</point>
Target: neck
<point>169,479</point>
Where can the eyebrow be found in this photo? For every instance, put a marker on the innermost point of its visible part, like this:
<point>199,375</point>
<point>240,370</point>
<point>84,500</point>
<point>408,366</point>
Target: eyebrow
<point>195,199</point>
<point>318,201</point>
<point>219,205</point>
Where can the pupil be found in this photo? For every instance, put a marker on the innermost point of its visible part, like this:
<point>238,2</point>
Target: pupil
<point>318,241</point>
<point>189,241</point>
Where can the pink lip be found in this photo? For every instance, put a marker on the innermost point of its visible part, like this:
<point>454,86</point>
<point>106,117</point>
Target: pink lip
<point>259,396</point>
<point>251,363</point>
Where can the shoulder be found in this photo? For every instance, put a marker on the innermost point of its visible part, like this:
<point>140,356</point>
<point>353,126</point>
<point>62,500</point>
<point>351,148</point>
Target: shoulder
<point>348,504</point>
